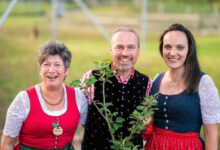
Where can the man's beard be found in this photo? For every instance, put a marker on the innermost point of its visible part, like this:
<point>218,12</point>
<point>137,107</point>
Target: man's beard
<point>124,68</point>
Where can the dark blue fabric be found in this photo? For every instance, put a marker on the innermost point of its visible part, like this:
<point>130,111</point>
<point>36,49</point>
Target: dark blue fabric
<point>180,113</point>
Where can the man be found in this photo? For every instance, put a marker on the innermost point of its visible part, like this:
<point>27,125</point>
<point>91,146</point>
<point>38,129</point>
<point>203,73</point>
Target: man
<point>126,92</point>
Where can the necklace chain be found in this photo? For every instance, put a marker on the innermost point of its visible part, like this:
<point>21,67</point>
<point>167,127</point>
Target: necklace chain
<point>49,103</point>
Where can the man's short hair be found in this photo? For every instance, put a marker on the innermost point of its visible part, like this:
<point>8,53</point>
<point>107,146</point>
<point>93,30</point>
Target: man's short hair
<point>127,29</point>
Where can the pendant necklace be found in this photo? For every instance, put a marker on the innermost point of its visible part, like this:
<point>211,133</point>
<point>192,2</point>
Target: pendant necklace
<point>57,129</point>
<point>49,103</point>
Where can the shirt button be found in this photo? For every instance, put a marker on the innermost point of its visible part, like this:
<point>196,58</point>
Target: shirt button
<point>167,121</point>
<point>166,127</point>
<point>165,115</point>
<point>164,109</point>
<point>165,103</point>
<point>166,97</point>
<point>55,142</point>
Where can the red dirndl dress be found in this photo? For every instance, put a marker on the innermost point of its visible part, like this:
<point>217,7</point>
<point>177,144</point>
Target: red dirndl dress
<point>162,139</point>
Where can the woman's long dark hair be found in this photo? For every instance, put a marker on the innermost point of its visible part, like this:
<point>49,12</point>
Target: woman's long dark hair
<point>192,69</point>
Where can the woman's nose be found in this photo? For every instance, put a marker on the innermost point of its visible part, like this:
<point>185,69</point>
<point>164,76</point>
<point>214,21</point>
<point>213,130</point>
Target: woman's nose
<point>173,51</point>
<point>51,68</point>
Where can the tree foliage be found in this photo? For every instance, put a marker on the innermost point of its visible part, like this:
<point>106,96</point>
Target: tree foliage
<point>114,122</point>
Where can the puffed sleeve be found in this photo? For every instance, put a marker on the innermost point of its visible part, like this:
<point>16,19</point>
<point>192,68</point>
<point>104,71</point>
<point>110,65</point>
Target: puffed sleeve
<point>82,105</point>
<point>16,114</point>
<point>209,100</point>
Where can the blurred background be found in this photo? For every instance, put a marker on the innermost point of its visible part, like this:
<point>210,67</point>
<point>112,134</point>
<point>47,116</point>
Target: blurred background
<point>85,26</point>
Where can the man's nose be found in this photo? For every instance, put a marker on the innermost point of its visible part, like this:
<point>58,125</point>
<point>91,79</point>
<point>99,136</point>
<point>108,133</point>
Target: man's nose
<point>125,51</point>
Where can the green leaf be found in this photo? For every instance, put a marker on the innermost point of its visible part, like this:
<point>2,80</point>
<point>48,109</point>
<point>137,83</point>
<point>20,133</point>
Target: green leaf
<point>75,83</point>
<point>55,125</point>
<point>116,144</point>
<point>119,119</point>
<point>91,80</point>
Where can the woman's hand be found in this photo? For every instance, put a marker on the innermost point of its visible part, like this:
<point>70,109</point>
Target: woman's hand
<point>8,142</point>
<point>211,136</point>
<point>148,121</point>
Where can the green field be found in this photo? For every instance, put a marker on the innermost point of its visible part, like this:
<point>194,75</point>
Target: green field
<point>18,67</point>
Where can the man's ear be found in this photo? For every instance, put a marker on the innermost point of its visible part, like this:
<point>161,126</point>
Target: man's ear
<point>110,50</point>
<point>139,51</point>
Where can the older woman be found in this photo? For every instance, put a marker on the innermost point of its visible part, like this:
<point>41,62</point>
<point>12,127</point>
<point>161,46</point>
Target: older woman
<point>46,115</point>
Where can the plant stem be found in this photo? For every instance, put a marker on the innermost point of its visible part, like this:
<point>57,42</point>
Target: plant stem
<point>106,115</point>
<point>88,93</point>
<point>99,110</point>
<point>147,107</point>
<point>132,133</point>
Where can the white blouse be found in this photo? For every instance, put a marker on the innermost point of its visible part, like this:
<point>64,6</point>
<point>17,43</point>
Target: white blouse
<point>20,108</point>
<point>209,100</point>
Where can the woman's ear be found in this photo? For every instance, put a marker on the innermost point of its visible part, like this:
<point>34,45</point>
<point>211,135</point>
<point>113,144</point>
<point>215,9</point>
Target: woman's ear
<point>40,75</point>
<point>67,71</point>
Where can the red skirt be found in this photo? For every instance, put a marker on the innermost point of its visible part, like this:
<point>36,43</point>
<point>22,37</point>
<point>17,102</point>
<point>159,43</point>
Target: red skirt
<point>161,139</point>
